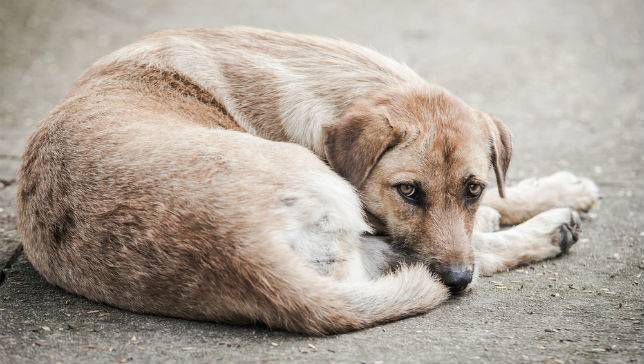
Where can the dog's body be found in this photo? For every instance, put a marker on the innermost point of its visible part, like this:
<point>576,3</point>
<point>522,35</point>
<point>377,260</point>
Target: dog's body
<point>184,176</point>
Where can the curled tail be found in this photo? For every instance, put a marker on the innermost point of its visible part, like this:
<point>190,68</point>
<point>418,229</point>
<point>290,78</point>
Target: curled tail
<point>327,306</point>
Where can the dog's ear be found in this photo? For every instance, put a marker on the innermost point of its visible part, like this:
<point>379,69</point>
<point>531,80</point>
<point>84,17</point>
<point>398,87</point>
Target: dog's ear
<point>354,144</point>
<point>501,150</point>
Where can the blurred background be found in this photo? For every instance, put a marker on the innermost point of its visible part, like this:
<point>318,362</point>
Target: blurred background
<point>566,76</point>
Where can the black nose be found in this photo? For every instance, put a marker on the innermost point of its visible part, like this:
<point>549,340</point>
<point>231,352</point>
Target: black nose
<point>456,279</point>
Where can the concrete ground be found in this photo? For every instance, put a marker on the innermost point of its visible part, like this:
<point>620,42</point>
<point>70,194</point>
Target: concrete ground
<point>566,76</point>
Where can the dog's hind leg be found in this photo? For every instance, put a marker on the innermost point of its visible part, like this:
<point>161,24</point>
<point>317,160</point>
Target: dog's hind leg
<point>545,236</point>
<point>533,196</point>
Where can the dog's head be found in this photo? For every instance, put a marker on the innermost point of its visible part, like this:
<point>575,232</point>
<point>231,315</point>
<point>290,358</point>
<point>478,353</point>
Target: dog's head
<point>420,160</point>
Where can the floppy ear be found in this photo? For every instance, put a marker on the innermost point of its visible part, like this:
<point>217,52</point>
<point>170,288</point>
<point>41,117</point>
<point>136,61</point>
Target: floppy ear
<point>501,151</point>
<point>354,145</point>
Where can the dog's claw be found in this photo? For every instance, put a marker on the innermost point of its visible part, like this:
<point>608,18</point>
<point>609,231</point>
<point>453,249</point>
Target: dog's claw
<point>568,233</point>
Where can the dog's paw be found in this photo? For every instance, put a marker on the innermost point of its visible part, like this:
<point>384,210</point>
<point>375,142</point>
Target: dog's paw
<point>559,227</point>
<point>568,231</point>
<point>579,193</point>
<point>545,236</point>
<point>487,220</point>
<point>563,189</point>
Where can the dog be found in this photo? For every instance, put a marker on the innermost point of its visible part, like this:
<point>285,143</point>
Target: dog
<point>248,176</point>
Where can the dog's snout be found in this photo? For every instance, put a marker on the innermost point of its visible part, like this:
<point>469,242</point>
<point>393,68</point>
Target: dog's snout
<point>456,278</point>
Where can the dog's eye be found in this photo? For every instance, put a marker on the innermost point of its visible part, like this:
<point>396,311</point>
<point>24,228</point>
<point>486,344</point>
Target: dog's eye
<point>409,192</point>
<point>474,190</point>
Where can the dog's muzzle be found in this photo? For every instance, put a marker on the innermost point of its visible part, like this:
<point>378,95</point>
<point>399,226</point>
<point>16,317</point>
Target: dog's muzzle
<point>456,278</point>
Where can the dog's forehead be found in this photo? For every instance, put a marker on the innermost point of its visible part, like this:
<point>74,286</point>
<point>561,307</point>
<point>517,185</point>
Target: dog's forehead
<point>439,131</point>
<point>459,148</point>
<point>440,158</point>
<point>433,112</point>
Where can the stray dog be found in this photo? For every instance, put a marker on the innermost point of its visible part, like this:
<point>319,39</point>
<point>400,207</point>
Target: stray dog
<point>312,185</point>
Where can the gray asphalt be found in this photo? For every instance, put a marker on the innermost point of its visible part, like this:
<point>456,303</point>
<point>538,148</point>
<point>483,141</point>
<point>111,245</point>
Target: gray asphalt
<point>566,77</point>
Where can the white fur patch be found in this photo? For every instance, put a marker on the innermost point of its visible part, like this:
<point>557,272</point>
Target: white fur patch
<point>303,116</point>
<point>324,222</point>
<point>562,189</point>
<point>487,220</point>
<point>192,58</point>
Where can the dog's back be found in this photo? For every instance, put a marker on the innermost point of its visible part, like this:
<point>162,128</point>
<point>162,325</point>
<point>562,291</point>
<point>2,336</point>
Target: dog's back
<point>279,86</point>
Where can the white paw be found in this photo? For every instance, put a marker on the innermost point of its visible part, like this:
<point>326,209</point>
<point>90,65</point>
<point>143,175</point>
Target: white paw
<point>558,227</point>
<point>564,189</point>
<point>487,220</point>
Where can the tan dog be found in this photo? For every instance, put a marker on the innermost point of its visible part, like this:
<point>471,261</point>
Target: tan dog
<point>184,175</point>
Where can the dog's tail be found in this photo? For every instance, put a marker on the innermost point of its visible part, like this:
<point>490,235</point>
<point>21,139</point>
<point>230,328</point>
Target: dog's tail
<point>410,291</point>
<point>321,305</point>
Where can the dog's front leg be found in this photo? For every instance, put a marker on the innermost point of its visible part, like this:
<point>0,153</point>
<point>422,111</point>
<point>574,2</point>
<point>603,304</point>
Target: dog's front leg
<point>535,195</point>
<point>487,220</point>
<point>546,235</point>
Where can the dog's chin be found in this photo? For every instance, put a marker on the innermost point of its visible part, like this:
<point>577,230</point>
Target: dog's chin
<point>461,293</point>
